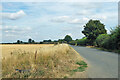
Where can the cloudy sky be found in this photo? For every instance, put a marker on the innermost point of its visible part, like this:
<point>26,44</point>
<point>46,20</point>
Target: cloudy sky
<point>53,20</point>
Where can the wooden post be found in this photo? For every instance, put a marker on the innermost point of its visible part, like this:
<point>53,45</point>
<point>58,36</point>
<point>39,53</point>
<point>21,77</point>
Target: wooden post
<point>35,56</point>
<point>11,53</point>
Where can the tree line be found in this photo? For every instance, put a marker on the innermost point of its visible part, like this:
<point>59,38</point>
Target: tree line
<point>66,39</point>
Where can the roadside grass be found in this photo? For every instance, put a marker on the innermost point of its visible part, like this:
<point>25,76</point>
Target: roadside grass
<point>55,61</point>
<point>103,49</point>
<point>82,66</point>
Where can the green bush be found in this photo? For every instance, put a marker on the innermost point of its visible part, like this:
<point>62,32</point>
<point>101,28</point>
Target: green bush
<point>73,42</point>
<point>111,41</point>
<point>101,39</point>
<point>82,41</point>
<point>115,36</point>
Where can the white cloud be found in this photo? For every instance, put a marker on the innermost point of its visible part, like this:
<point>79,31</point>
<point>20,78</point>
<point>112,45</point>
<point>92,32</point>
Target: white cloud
<point>75,21</point>
<point>87,5</point>
<point>15,32</point>
<point>100,17</point>
<point>15,29</point>
<point>61,19</point>
<point>66,28</point>
<point>10,35</point>
<point>83,12</point>
<point>72,28</point>
<point>14,16</point>
<point>79,21</point>
<point>0,7</point>
<point>85,19</point>
<point>70,20</point>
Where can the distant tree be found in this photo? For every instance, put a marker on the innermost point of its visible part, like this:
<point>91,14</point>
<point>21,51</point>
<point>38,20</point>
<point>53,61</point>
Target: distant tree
<point>41,42</point>
<point>44,40</point>
<point>49,40</point>
<point>33,41</point>
<point>55,41</point>
<point>21,42</point>
<point>29,40</point>
<point>76,39</point>
<point>68,38</point>
<point>60,40</point>
<point>93,29</point>
<point>18,41</point>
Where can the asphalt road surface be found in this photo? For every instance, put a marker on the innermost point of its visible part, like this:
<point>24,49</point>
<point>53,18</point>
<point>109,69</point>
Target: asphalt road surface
<point>102,64</point>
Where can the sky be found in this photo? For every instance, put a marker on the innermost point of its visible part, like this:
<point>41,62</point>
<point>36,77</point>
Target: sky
<point>53,20</point>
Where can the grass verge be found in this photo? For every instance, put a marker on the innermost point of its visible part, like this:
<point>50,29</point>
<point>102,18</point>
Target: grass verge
<point>103,49</point>
<point>81,68</point>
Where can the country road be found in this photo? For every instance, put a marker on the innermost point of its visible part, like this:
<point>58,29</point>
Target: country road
<point>102,64</point>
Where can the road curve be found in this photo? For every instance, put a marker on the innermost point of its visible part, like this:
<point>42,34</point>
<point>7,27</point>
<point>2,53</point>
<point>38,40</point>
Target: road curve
<point>102,64</point>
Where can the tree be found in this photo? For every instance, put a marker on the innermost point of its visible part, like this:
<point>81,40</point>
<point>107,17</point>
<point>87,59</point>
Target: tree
<point>68,38</point>
<point>18,41</point>
<point>33,41</point>
<point>93,29</point>
<point>60,40</point>
<point>115,38</point>
<point>49,40</point>
<point>21,42</point>
<point>29,40</point>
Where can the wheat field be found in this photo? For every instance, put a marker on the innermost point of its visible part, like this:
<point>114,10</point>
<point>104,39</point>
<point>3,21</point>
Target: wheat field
<point>38,60</point>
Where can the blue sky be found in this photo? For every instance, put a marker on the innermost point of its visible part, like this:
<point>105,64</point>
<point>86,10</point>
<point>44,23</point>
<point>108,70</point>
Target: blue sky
<point>53,20</point>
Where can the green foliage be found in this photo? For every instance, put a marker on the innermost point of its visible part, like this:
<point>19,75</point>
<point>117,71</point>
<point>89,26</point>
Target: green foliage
<point>101,39</point>
<point>82,41</point>
<point>33,41</point>
<point>114,41</point>
<point>18,41</point>
<point>68,38</point>
<point>29,40</point>
<point>65,77</point>
<point>93,29</point>
<point>82,66</point>
<point>110,42</point>
<point>60,40</point>
<point>115,36</point>
<point>73,42</point>
<point>81,63</point>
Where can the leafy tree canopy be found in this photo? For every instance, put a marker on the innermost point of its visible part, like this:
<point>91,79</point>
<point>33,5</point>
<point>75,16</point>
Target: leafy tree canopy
<point>92,29</point>
<point>29,40</point>
<point>68,38</point>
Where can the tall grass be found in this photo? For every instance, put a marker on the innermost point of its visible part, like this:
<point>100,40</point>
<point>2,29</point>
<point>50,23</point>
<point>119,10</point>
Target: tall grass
<point>46,62</point>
